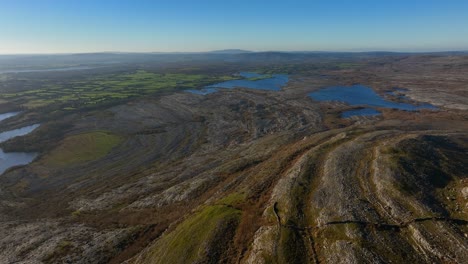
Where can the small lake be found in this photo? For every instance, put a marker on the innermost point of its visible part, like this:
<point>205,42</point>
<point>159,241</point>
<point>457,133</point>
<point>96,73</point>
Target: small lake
<point>7,115</point>
<point>11,159</point>
<point>362,95</point>
<point>4,136</point>
<point>203,91</point>
<point>252,80</point>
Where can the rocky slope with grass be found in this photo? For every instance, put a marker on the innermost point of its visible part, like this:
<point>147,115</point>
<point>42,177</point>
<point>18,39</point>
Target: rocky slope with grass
<point>246,176</point>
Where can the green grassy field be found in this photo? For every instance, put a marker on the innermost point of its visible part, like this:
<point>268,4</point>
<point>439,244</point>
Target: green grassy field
<point>188,242</point>
<point>75,94</point>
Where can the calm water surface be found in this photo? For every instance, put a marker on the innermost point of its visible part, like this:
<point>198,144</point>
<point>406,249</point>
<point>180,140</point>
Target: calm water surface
<point>362,95</point>
<point>4,136</point>
<point>203,91</point>
<point>274,83</point>
<point>7,115</point>
<point>11,159</point>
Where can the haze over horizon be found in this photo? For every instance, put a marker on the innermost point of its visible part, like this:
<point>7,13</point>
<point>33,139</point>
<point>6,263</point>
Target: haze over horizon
<point>51,26</point>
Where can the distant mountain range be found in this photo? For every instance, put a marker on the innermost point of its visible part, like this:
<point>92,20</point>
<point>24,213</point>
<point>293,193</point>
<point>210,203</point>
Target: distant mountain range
<point>37,61</point>
<point>236,52</point>
<point>230,51</point>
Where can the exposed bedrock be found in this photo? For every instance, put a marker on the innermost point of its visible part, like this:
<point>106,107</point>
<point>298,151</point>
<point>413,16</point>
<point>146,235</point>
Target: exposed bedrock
<point>370,197</point>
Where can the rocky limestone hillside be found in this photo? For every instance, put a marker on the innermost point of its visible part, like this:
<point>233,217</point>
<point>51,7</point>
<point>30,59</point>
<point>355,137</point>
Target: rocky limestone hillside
<point>245,176</point>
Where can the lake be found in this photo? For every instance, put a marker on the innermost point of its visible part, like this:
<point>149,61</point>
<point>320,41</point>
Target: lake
<point>363,95</point>
<point>4,136</point>
<point>203,91</point>
<point>11,159</point>
<point>268,83</point>
<point>7,115</point>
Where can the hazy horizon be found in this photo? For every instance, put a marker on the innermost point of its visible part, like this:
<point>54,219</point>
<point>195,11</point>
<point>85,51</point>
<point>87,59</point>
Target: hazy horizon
<point>247,51</point>
<point>58,27</point>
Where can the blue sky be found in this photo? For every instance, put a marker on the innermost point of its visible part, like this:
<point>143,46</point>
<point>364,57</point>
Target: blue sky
<point>63,26</point>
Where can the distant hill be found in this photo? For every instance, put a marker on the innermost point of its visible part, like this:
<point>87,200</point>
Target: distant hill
<point>230,51</point>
